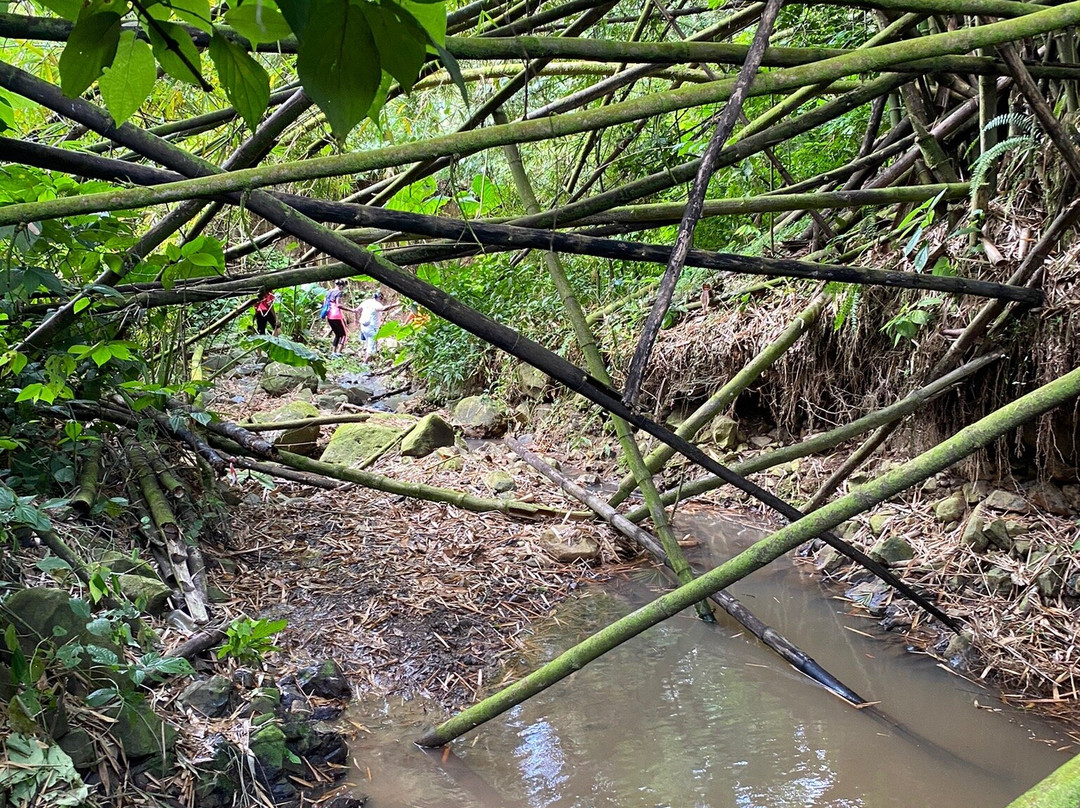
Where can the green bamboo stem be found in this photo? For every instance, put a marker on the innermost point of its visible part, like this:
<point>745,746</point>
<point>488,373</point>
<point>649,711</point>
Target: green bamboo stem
<point>1059,789</point>
<point>89,478</point>
<point>594,361</point>
<point>321,420</point>
<point>164,474</point>
<point>962,444</point>
<point>666,212</point>
<point>827,440</point>
<point>430,493</point>
<point>726,395</point>
<point>783,80</point>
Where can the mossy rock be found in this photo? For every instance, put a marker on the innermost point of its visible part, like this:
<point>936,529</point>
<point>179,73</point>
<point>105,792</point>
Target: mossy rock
<point>430,433</point>
<point>725,433</point>
<point>352,443</point>
<point>500,481</point>
<point>41,613</point>
<point>892,550</point>
<point>142,734</point>
<point>480,417</point>
<point>140,588</point>
<point>268,746</point>
<point>118,562</point>
<point>210,697</point>
<point>279,379</point>
<point>530,381</point>
<point>300,440</point>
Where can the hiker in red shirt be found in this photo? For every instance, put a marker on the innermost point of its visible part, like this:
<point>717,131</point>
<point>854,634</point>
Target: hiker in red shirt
<point>264,312</point>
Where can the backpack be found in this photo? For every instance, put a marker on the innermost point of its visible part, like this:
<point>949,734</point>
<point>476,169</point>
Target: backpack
<point>325,310</point>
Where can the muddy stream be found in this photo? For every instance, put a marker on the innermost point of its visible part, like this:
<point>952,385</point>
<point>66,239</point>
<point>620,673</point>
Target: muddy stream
<point>691,715</point>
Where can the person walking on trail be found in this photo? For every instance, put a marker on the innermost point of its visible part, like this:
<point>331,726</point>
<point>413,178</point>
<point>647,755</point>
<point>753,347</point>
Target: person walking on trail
<point>333,310</point>
<point>369,312</point>
<point>264,312</point>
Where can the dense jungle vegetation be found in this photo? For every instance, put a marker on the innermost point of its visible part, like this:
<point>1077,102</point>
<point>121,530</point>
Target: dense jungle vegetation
<point>836,223</point>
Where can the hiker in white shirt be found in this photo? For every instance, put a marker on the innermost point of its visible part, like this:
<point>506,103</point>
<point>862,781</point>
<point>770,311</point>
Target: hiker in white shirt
<point>368,314</point>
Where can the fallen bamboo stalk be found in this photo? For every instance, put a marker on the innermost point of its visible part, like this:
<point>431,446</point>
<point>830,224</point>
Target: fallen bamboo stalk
<point>787,650</point>
<point>963,443</point>
<point>321,420</point>
<point>827,440</point>
<point>726,395</point>
<point>416,288</point>
<point>379,482</point>
<point>595,363</point>
<point>168,527</point>
<point>89,479</point>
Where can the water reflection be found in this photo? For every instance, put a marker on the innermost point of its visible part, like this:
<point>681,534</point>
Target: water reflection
<point>691,715</point>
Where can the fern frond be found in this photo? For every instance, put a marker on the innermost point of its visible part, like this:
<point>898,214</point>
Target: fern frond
<point>1022,123</point>
<point>1022,143</point>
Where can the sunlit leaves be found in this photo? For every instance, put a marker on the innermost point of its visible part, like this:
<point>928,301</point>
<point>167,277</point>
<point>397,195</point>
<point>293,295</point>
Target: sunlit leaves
<point>246,83</point>
<point>198,258</point>
<point>401,45</point>
<point>91,47</point>
<point>130,79</point>
<point>195,12</point>
<point>258,21</point>
<point>337,60</point>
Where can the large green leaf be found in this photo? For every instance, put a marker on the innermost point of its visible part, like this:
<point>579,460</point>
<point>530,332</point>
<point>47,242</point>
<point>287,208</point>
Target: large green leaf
<point>258,21</point>
<point>68,9</point>
<point>280,349</point>
<point>196,12</point>
<point>246,83</point>
<point>130,79</point>
<point>168,48</point>
<point>402,47</point>
<point>90,47</point>
<point>338,64</point>
<point>432,16</point>
<point>298,13</point>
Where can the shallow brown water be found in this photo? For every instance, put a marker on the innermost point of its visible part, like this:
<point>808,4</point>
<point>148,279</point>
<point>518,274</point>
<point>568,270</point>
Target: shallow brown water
<point>693,716</point>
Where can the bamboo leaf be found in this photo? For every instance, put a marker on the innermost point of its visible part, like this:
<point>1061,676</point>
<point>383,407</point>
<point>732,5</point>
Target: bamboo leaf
<point>128,82</point>
<point>338,64</point>
<point>90,47</point>
<point>246,83</point>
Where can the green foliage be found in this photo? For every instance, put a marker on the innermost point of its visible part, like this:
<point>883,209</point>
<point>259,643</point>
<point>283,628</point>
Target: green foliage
<point>280,349</point>
<point>39,773</point>
<point>128,81</point>
<point>911,318</point>
<point>248,640</point>
<point>1023,143</point>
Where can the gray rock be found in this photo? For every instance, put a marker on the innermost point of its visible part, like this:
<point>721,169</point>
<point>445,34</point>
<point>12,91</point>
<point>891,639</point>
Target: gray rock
<point>279,379</point>
<point>479,417</point>
<point>959,650</point>
<point>1048,497</point>
<point>998,581</point>
<point>950,509</point>
<point>828,560</point>
<point>450,458</point>
<point>997,533</point>
<point>353,443</point>
<point>892,550</point>
<point>331,398</point>
<point>1001,500</point>
<point>975,491</point>
<point>80,748</point>
<point>973,534</point>
<point>141,732</point>
<point>500,481</point>
<point>1072,585</point>
<point>299,440</point>
<point>568,544</point>
<point>210,697</point>
<point>39,613</point>
<point>268,745</point>
<point>725,433</point>
<point>324,679</point>
<point>530,381</point>
<point>761,441</point>
<point>878,521</point>
<point>115,561</point>
<point>358,394</point>
<point>430,433</point>
<point>141,589</point>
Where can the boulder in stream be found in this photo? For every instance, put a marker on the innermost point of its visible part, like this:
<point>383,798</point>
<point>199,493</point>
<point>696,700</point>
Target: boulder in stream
<point>279,379</point>
<point>299,440</point>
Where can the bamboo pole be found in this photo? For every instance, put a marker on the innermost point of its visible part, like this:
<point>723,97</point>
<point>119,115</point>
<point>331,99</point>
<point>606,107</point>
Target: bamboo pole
<point>782,80</point>
<point>595,363</point>
<point>441,304</point>
<point>726,395</point>
<point>827,440</point>
<point>89,479</point>
<point>963,443</point>
<point>771,638</point>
